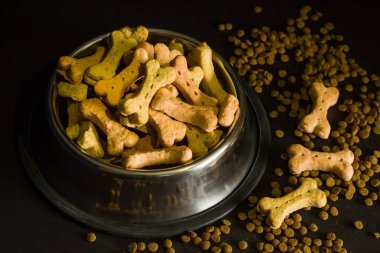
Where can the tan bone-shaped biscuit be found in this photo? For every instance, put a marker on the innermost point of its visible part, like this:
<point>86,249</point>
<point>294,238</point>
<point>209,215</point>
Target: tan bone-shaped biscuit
<point>73,117</point>
<point>118,136</point>
<point>228,109</point>
<point>188,88</point>
<point>134,108</point>
<point>200,141</point>
<point>202,56</point>
<point>88,140</point>
<point>323,98</point>
<point>136,159</point>
<point>201,116</point>
<point>163,54</point>
<point>169,131</point>
<point>339,163</point>
<point>73,69</point>
<point>106,69</point>
<point>307,195</point>
<point>114,88</point>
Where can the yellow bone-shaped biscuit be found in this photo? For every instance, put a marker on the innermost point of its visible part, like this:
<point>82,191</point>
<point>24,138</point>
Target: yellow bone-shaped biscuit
<point>202,56</point>
<point>134,108</point>
<point>106,69</point>
<point>201,116</point>
<point>200,142</point>
<point>169,131</point>
<point>307,195</point>
<point>73,69</point>
<point>136,159</point>
<point>73,117</point>
<point>173,44</point>
<point>339,163</point>
<point>88,140</point>
<point>77,92</point>
<point>118,136</point>
<point>140,33</point>
<point>163,54</point>
<point>323,98</point>
<point>188,88</point>
<point>228,108</point>
<point>114,88</point>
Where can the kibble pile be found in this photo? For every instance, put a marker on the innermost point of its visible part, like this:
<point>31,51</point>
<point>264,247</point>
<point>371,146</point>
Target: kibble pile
<point>267,58</point>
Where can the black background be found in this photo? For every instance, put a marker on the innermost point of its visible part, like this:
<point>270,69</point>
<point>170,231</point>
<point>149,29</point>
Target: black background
<point>33,34</point>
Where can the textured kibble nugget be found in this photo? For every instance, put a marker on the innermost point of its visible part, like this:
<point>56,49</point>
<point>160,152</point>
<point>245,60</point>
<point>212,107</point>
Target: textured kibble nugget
<point>77,92</point>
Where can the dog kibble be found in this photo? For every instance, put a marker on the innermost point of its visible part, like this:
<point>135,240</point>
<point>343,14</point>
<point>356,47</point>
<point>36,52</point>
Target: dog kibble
<point>242,244</point>
<point>358,224</point>
<point>91,237</point>
<point>152,247</point>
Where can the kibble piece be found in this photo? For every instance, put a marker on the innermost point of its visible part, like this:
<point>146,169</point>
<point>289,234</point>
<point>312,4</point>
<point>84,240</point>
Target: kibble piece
<point>279,133</point>
<point>168,243</point>
<point>273,114</point>
<point>313,227</point>
<point>289,232</point>
<point>91,237</point>
<point>197,240</point>
<point>141,246</point>
<point>216,249</point>
<point>221,27</point>
<point>278,172</point>
<point>242,216</point>
<point>215,238</point>
<point>282,247</point>
<point>268,247</point>
<point>368,202</point>
<point>376,235</point>
<point>323,215</point>
<point>132,247</point>
<point>152,247</point>
<point>358,224</point>
<point>334,211</point>
<point>258,9</point>
<point>225,229</point>
<point>227,248</point>
<point>243,244</point>
<point>205,245</point>
<point>185,238</point>
<point>229,26</point>
<point>250,226</point>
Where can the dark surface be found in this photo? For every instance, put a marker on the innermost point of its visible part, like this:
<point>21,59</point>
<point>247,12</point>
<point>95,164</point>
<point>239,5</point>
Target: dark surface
<point>34,34</point>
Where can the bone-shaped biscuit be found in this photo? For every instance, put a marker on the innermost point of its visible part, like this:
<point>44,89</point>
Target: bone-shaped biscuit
<point>201,116</point>
<point>188,88</point>
<point>163,54</point>
<point>307,195</point>
<point>73,69</point>
<point>88,140</point>
<point>169,131</point>
<point>114,88</point>
<point>202,56</point>
<point>339,163</point>
<point>228,109</point>
<point>173,44</point>
<point>149,48</point>
<point>200,141</point>
<point>135,108</point>
<point>118,136</point>
<point>77,92</point>
<point>140,33</point>
<point>73,117</point>
<point>106,69</point>
<point>136,159</point>
<point>323,98</point>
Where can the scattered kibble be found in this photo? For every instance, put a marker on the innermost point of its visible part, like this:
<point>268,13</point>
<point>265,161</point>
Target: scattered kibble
<point>243,244</point>
<point>91,237</point>
<point>358,224</point>
<point>279,133</point>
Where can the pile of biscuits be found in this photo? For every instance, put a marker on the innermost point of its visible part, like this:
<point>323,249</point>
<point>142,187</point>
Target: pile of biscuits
<point>155,104</point>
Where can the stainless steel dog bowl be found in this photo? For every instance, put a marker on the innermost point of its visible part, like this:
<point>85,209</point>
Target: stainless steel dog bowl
<point>147,203</point>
